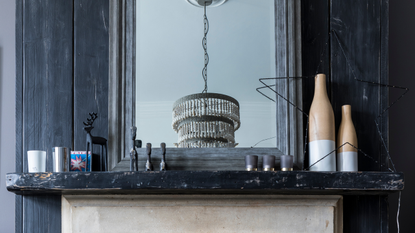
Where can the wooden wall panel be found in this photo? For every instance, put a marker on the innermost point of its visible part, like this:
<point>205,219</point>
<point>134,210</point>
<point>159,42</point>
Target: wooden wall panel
<point>47,76</point>
<point>358,27</point>
<point>362,27</point>
<point>91,55</point>
<point>44,98</point>
<point>364,214</point>
<point>315,29</point>
<point>19,111</point>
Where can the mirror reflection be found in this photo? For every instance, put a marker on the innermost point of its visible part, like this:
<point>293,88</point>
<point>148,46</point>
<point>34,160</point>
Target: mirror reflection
<point>170,59</point>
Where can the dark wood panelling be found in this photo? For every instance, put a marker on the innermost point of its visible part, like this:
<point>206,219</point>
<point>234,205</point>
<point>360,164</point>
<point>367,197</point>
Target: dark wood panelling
<point>315,34</point>
<point>362,27</point>
<point>47,77</point>
<point>19,111</point>
<point>42,214</point>
<point>45,87</point>
<point>360,214</point>
<point>358,27</point>
<point>384,78</point>
<point>91,55</point>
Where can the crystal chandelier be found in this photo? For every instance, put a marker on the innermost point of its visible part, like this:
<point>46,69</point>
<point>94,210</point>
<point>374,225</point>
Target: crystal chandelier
<point>206,119</point>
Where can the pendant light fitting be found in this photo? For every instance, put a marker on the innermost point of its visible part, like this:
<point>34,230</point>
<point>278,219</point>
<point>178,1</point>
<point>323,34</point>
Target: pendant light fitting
<point>210,3</point>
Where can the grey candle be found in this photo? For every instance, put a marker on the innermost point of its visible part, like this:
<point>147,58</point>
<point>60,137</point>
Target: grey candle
<point>287,162</point>
<point>251,162</point>
<point>268,162</point>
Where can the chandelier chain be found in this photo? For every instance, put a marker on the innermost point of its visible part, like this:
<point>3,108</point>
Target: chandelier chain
<point>204,45</point>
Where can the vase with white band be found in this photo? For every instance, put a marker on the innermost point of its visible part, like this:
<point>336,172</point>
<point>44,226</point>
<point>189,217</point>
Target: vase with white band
<point>322,155</point>
<point>347,139</point>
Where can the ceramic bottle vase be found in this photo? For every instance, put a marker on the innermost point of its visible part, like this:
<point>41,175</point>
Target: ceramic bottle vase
<point>347,154</point>
<point>321,129</point>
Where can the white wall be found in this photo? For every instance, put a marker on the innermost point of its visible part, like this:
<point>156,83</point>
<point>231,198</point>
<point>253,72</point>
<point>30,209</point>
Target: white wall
<point>7,111</point>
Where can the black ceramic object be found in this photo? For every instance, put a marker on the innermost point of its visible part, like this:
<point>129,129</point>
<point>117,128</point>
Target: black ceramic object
<point>149,166</point>
<point>287,162</point>
<point>251,162</point>
<point>163,164</point>
<point>268,163</point>
<point>91,140</point>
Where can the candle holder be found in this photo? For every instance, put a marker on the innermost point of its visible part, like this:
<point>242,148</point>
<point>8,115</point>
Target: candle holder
<point>287,162</point>
<point>268,163</point>
<point>251,162</point>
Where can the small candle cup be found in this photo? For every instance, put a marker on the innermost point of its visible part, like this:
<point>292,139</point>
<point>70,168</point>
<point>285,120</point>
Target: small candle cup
<point>287,162</point>
<point>251,162</point>
<point>36,161</point>
<point>268,163</point>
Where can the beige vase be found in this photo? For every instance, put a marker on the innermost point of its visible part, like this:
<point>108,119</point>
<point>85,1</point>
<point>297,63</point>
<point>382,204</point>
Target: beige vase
<point>321,129</point>
<point>347,154</point>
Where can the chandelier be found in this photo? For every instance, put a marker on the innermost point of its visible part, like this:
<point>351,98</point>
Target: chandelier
<point>206,119</point>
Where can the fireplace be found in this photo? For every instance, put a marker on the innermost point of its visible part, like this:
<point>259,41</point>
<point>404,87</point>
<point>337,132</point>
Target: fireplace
<point>202,213</point>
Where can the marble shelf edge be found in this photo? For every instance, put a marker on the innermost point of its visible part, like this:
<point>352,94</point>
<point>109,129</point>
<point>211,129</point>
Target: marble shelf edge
<point>208,182</point>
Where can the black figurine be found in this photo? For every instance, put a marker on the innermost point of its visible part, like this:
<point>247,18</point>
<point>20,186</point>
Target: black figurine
<point>91,140</point>
<point>163,164</point>
<point>133,152</point>
<point>149,166</point>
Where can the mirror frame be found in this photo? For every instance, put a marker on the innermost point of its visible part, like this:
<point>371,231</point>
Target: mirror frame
<point>121,98</point>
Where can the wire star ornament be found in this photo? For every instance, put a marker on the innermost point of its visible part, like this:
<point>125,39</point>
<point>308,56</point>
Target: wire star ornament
<point>376,120</point>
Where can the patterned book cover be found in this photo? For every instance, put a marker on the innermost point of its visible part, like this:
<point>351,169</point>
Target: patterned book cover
<point>78,161</point>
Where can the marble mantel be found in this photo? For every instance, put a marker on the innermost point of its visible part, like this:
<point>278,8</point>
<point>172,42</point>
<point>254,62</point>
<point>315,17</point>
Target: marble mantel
<point>203,201</point>
<point>201,182</point>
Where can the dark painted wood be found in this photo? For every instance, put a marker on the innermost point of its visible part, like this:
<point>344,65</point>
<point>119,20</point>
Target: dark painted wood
<point>19,111</point>
<point>295,182</point>
<point>358,214</point>
<point>91,55</point>
<point>362,27</point>
<point>194,159</point>
<point>359,32</point>
<point>42,213</point>
<point>364,39</point>
<point>47,76</point>
<point>315,29</point>
<point>44,98</point>
<point>384,77</point>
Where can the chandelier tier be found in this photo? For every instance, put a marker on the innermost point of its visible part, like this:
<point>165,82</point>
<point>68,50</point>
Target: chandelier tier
<point>206,120</point>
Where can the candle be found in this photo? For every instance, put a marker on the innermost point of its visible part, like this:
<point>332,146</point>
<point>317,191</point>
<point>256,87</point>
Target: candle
<point>287,162</point>
<point>268,162</point>
<point>251,162</point>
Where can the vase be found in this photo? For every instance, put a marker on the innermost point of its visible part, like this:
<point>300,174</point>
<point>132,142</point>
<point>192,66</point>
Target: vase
<point>347,154</point>
<point>321,131</point>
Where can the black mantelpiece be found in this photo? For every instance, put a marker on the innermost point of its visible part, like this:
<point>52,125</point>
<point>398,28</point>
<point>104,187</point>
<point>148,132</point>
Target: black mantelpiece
<point>206,182</point>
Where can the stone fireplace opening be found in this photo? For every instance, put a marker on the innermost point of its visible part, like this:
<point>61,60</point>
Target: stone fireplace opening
<point>202,213</point>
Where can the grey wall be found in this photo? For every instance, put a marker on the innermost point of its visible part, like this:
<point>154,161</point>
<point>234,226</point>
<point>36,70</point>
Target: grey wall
<point>7,110</point>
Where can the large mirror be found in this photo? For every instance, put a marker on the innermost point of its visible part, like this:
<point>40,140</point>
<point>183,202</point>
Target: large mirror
<point>156,57</point>
<point>170,58</point>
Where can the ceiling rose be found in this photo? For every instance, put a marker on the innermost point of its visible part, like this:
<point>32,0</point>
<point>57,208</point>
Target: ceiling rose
<point>210,3</point>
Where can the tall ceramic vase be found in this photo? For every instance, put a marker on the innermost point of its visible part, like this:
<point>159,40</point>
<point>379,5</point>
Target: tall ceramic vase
<point>347,154</point>
<point>321,129</point>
